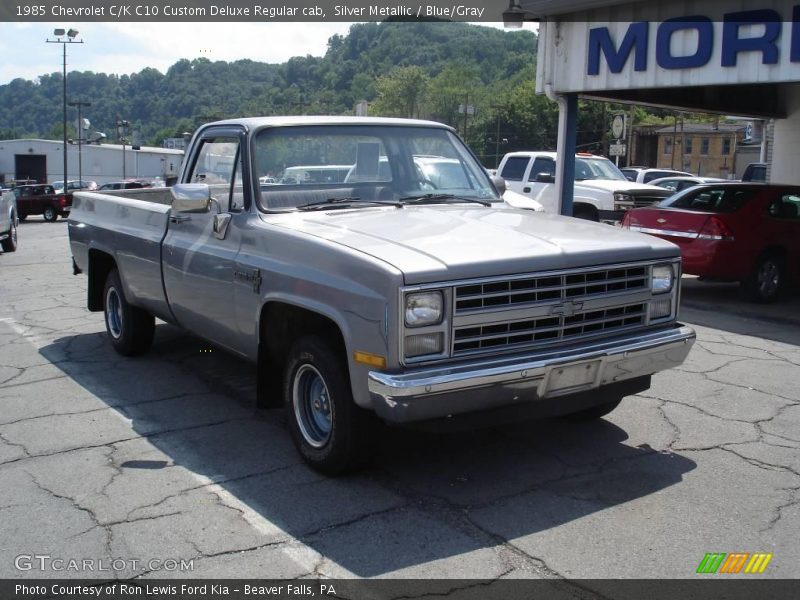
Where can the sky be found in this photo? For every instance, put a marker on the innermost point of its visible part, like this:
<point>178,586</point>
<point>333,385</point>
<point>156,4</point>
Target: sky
<point>124,48</point>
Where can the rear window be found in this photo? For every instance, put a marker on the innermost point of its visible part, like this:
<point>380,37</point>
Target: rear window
<point>710,199</point>
<point>514,169</point>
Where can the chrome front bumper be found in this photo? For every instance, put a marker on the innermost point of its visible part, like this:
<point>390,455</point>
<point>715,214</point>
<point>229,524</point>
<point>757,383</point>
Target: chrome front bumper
<point>542,377</point>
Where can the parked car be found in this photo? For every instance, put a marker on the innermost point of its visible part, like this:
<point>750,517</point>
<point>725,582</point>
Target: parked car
<point>74,185</point>
<point>601,192</point>
<point>647,174</point>
<point>41,199</point>
<point>406,293</point>
<point>8,221</point>
<point>731,232</point>
<point>676,184</point>
<point>124,185</point>
<point>755,172</point>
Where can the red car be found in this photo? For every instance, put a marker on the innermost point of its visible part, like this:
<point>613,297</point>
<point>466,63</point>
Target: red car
<point>731,232</point>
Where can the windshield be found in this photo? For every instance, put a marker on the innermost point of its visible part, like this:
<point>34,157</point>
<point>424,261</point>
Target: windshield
<point>298,166</point>
<point>596,168</point>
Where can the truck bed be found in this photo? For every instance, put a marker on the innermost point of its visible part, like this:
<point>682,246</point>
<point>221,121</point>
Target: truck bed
<point>128,225</point>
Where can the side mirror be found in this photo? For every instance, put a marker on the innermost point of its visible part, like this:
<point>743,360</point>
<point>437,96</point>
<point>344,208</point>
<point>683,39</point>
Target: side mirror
<point>499,183</point>
<point>545,178</point>
<point>191,198</point>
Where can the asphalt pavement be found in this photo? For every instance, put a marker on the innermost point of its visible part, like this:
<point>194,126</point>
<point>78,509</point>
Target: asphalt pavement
<point>161,466</point>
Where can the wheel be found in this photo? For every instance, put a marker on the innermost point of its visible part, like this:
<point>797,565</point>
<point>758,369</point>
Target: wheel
<point>50,214</point>
<point>130,329</point>
<point>332,433</point>
<point>595,412</point>
<point>767,279</point>
<point>10,243</point>
<point>22,216</point>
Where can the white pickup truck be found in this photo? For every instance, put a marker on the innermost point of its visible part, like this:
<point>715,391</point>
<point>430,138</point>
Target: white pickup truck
<point>602,193</point>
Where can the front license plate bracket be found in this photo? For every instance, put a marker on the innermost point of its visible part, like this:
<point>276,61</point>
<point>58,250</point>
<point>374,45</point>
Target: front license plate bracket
<point>572,378</point>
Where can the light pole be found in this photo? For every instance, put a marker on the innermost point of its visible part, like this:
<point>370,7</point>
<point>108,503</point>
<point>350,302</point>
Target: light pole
<point>78,104</point>
<point>122,131</point>
<point>71,35</point>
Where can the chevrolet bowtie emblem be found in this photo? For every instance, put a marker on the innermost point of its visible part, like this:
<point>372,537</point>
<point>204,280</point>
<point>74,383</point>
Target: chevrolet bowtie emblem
<point>661,221</point>
<point>567,309</point>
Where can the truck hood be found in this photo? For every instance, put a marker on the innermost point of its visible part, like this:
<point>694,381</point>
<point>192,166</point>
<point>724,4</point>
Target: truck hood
<point>618,185</point>
<point>441,243</point>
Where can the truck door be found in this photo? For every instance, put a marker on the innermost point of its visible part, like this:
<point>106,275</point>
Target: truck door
<point>544,191</point>
<point>200,249</point>
<point>513,171</point>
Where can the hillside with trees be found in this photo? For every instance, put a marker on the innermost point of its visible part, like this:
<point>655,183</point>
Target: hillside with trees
<point>408,69</point>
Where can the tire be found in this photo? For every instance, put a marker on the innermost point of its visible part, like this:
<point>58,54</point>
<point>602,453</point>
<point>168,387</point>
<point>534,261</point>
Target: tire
<point>767,280</point>
<point>10,243</point>
<point>595,412</point>
<point>331,433</point>
<point>50,214</point>
<point>129,328</point>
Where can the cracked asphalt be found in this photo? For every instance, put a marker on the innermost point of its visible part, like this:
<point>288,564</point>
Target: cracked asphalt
<point>165,457</point>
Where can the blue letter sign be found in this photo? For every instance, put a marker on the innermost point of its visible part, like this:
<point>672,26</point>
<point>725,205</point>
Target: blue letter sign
<point>705,43</point>
<point>600,40</point>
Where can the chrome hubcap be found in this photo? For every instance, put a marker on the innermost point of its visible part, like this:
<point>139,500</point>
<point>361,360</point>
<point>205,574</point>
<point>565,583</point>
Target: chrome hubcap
<point>768,279</point>
<point>312,406</point>
<point>113,313</point>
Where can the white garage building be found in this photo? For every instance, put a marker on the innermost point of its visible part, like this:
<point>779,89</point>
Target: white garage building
<point>733,57</point>
<point>43,161</point>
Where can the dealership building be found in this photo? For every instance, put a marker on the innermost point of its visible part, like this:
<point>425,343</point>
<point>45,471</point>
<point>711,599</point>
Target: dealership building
<point>43,161</point>
<point>727,57</point>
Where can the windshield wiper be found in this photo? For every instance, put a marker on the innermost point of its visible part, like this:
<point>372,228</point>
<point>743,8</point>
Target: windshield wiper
<point>441,198</point>
<point>345,202</point>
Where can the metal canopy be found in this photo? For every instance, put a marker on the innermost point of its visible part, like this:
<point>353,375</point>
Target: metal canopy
<point>761,101</point>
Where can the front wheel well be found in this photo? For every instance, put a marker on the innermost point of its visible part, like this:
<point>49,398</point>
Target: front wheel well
<point>100,265</point>
<point>586,211</point>
<point>280,325</point>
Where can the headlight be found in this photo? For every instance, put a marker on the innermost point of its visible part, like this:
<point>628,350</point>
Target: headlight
<point>662,279</point>
<point>622,201</point>
<point>424,308</point>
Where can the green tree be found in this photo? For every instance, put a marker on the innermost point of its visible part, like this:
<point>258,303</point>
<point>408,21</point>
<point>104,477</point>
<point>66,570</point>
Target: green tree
<point>402,92</point>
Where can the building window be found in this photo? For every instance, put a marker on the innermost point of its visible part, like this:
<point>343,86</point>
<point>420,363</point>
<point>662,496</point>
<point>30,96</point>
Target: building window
<point>704,146</point>
<point>726,146</point>
<point>667,145</point>
<point>687,149</point>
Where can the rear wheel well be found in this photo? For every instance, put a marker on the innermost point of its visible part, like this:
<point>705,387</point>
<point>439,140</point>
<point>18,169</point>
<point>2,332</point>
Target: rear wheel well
<point>280,325</point>
<point>100,265</point>
<point>772,250</point>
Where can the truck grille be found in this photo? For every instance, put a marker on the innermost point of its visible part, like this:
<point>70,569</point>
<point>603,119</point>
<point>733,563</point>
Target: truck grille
<point>563,307</point>
<point>546,288</point>
<point>547,329</point>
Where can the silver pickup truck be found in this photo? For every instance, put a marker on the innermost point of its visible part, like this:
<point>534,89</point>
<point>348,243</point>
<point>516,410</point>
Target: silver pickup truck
<point>384,278</point>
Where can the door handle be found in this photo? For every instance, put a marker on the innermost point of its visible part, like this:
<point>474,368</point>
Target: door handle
<point>178,218</point>
<point>526,189</point>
